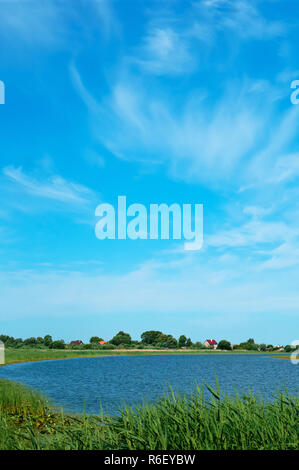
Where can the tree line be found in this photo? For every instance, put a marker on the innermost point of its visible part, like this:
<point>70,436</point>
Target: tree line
<point>149,340</point>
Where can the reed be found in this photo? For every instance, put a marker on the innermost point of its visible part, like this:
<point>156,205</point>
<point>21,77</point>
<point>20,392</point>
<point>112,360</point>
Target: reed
<point>203,420</point>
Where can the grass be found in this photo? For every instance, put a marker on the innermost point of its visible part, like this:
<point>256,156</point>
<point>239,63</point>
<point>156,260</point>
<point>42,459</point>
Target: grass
<point>31,354</point>
<point>29,422</point>
<point>15,399</point>
<point>175,422</point>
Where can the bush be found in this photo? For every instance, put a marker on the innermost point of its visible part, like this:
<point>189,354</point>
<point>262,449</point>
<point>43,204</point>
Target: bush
<point>48,340</point>
<point>224,345</point>
<point>198,345</point>
<point>109,346</point>
<point>30,341</point>
<point>151,337</point>
<point>59,344</point>
<point>95,339</point>
<point>121,338</point>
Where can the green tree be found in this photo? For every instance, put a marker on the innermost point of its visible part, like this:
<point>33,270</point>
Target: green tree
<point>150,337</point>
<point>18,343</point>
<point>30,341</point>
<point>166,341</point>
<point>224,345</point>
<point>189,343</point>
<point>10,341</point>
<point>48,340</point>
<point>121,338</point>
<point>198,345</point>
<point>95,339</point>
<point>182,341</point>
<point>247,346</point>
<point>4,338</point>
<point>59,344</point>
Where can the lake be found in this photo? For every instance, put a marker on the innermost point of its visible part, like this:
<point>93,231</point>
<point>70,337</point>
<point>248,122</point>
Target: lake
<point>90,382</point>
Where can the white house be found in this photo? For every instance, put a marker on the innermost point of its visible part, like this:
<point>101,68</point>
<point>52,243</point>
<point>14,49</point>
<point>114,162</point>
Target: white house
<point>210,343</point>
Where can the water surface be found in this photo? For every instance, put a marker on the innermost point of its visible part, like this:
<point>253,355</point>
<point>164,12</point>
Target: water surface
<point>90,382</point>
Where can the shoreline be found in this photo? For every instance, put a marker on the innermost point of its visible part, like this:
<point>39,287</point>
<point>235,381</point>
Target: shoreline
<point>63,354</point>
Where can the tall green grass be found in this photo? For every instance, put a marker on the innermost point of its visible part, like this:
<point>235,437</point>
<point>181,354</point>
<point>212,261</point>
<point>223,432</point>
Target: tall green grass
<point>179,422</point>
<point>175,422</point>
<point>15,399</point>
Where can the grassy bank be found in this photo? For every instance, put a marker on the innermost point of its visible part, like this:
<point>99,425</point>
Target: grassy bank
<point>27,355</point>
<point>175,422</point>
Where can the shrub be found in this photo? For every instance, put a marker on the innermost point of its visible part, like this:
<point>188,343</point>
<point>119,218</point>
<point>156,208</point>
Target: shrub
<point>59,344</point>
<point>224,345</point>
<point>121,338</point>
<point>109,346</point>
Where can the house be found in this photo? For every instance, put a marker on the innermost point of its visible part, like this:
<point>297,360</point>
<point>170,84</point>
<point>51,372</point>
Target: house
<point>210,343</point>
<point>102,342</point>
<point>77,342</point>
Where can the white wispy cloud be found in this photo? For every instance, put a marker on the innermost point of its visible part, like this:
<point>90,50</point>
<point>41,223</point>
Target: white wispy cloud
<point>176,44</point>
<point>202,289</point>
<point>40,23</point>
<point>253,233</point>
<point>35,22</point>
<point>165,52</point>
<point>86,97</point>
<point>269,238</point>
<point>240,139</point>
<point>109,21</point>
<point>200,141</point>
<point>53,187</point>
<point>241,17</point>
<point>283,256</point>
<point>269,164</point>
<point>197,137</point>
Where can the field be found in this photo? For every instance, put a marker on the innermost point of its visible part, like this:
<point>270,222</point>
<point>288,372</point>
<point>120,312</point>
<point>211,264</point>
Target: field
<point>27,421</point>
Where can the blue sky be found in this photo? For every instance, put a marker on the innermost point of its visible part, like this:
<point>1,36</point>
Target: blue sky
<point>173,101</point>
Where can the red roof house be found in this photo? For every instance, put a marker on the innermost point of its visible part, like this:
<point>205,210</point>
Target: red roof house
<point>102,342</point>
<point>210,343</point>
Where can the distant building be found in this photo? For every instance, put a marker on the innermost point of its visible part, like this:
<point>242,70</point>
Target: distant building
<point>210,343</point>
<point>102,342</point>
<point>78,342</point>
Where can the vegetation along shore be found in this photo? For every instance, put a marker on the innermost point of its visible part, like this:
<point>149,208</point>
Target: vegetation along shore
<point>28,421</point>
<point>152,342</point>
